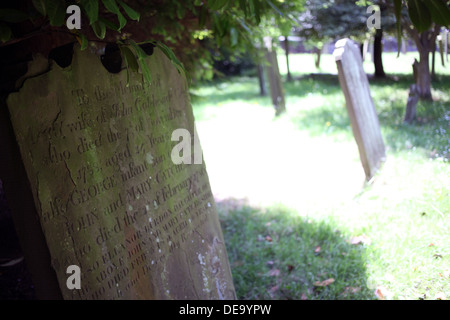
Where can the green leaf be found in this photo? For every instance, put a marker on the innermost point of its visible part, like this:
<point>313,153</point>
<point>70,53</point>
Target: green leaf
<point>99,29</point>
<point>112,6</point>
<point>40,6</point>
<point>122,21</point>
<point>12,15</point>
<point>216,4</point>
<point>251,5</point>
<point>257,11</point>
<point>109,24</point>
<point>202,17</point>
<point>419,15</point>
<point>143,65</point>
<point>91,8</point>
<point>5,33</point>
<point>130,59</point>
<point>274,7</point>
<point>181,12</point>
<point>440,13</point>
<point>84,41</point>
<point>133,14</point>
<point>243,6</point>
<point>234,36</point>
<point>56,10</point>
<point>172,57</point>
<point>398,23</point>
<point>218,25</point>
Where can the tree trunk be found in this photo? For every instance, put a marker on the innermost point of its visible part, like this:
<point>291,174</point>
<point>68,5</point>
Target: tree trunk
<point>433,62</point>
<point>446,34</point>
<point>378,53</point>
<point>425,42</point>
<point>404,46</point>
<point>286,47</point>
<point>262,81</point>
<point>423,76</point>
<point>411,106</point>
<point>275,83</point>
<point>319,55</point>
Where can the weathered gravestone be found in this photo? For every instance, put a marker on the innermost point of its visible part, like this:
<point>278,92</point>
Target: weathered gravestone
<point>97,153</point>
<point>275,83</point>
<point>360,106</point>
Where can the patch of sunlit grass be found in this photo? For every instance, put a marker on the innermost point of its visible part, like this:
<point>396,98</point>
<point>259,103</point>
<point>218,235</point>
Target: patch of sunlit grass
<point>304,185</point>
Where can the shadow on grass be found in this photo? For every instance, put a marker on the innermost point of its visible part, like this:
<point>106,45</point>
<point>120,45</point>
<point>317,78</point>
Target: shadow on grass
<point>430,131</point>
<point>276,254</point>
<point>328,114</point>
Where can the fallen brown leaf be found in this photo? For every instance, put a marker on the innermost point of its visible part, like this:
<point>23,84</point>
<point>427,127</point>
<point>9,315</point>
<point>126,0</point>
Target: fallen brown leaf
<point>274,272</point>
<point>363,239</point>
<point>382,293</point>
<point>440,296</point>
<point>273,289</point>
<point>324,283</point>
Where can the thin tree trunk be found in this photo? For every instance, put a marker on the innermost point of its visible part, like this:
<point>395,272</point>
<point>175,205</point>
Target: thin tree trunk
<point>423,76</point>
<point>286,46</point>
<point>411,106</point>
<point>433,62</point>
<point>424,43</point>
<point>318,56</point>
<point>275,83</point>
<point>446,34</point>
<point>262,81</point>
<point>404,46</point>
<point>378,54</point>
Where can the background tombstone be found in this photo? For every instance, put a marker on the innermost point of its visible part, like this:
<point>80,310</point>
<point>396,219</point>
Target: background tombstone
<point>273,74</point>
<point>360,107</point>
<point>97,153</point>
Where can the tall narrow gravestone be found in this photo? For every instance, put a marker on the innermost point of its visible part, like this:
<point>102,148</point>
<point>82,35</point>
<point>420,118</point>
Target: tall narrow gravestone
<point>360,106</point>
<point>97,152</point>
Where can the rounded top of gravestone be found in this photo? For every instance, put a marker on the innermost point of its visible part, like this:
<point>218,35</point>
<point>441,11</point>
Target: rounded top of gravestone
<point>341,46</point>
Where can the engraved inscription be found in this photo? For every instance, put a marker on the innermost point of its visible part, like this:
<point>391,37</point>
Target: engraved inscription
<point>110,199</point>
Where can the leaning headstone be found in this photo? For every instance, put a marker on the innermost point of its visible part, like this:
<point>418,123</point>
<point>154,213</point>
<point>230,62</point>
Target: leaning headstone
<point>112,203</point>
<point>360,106</point>
<point>274,76</point>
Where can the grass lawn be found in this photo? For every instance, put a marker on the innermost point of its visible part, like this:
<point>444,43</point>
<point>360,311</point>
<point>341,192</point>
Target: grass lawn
<point>298,218</point>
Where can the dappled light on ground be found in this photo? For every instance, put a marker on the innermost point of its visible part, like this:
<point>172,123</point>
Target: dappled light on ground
<point>303,169</point>
<point>249,154</point>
